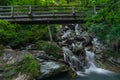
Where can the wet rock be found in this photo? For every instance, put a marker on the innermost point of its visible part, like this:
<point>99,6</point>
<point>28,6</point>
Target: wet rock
<point>31,47</point>
<point>97,46</point>
<point>118,60</point>
<point>11,56</point>
<point>73,41</point>
<point>37,53</point>
<point>21,77</point>
<point>8,74</point>
<point>51,68</point>
<point>114,60</point>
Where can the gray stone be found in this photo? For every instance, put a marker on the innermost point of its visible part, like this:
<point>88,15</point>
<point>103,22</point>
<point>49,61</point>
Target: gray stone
<point>118,60</point>
<point>51,68</point>
<point>21,77</point>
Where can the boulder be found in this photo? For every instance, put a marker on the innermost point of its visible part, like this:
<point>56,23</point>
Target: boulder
<point>51,68</point>
<point>10,56</point>
<point>21,77</point>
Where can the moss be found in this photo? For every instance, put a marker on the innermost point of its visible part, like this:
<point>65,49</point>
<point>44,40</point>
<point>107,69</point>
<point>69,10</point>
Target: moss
<point>50,48</point>
<point>30,66</point>
<point>9,71</point>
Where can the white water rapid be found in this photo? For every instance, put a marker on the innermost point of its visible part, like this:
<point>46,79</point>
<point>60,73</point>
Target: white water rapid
<point>73,60</point>
<point>89,66</point>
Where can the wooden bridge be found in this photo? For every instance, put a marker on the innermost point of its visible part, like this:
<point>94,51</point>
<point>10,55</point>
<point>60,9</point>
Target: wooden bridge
<point>45,14</point>
<point>42,14</point>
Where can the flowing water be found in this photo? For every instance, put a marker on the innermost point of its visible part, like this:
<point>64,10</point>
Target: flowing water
<point>88,68</point>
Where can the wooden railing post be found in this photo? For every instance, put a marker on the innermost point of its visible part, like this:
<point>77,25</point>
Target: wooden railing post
<point>53,10</point>
<point>95,11</point>
<point>12,11</point>
<point>73,10</point>
<point>30,11</point>
<point>50,34</point>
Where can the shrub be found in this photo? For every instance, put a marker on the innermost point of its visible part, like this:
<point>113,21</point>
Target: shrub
<point>17,36</point>
<point>30,66</point>
<point>41,33</point>
<point>50,48</point>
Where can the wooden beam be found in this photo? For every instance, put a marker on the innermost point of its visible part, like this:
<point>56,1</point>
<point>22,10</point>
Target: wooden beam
<point>12,11</point>
<point>50,34</point>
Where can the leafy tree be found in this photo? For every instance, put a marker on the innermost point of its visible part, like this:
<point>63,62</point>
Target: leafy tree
<point>107,27</point>
<point>4,2</point>
<point>16,35</point>
<point>33,2</point>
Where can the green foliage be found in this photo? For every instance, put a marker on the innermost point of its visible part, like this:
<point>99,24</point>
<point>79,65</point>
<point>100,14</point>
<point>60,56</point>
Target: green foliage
<point>109,29</point>
<point>40,33</point>
<point>62,2</point>
<point>99,29</point>
<point>105,24</point>
<point>96,2</point>
<point>8,32</point>
<point>30,66</point>
<point>19,35</point>
<point>9,71</point>
<point>45,2</point>
<point>4,2</point>
<point>114,33</point>
<point>33,2</point>
<point>50,48</point>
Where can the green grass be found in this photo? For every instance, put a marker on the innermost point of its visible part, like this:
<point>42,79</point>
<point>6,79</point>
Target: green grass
<point>30,66</point>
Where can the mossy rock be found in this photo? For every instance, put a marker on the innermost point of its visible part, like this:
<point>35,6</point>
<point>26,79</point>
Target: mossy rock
<point>51,49</point>
<point>8,71</point>
<point>30,66</point>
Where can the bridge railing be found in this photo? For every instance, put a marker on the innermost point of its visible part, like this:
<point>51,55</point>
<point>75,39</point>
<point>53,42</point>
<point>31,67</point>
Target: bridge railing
<point>44,12</point>
<point>19,11</point>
